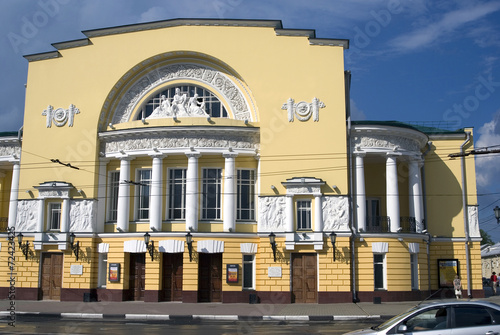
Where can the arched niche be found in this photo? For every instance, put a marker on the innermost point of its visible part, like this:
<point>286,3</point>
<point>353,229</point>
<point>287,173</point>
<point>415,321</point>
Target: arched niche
<point>129,94</point>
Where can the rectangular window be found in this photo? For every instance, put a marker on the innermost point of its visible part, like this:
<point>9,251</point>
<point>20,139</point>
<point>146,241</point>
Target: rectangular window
<point>248,272</point>
<point>102,272</point>
<point>177,193</point>
<point>414,271</point>
<point>54,216</point>
<point>303,214</point>
<point>143,193</point>
<point>245,209</point>
<point>114,185</point>
<point>211,185</point>
<point>379,271</point>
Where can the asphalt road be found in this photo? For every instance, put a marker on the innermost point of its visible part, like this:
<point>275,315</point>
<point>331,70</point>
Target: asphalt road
<point>39,325</point>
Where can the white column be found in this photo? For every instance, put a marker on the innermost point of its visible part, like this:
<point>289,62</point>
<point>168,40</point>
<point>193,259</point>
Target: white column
<point>392,193</point>
<point>415,192</point>
<point>41,216</point>
<point>360,191</point>
<point>123,209</point>
<point>65,216</point>
<point>156,208</point>
<point>318,213</point>
<point>192,188</point>
<point>229,213</point>
<point>14,194</point>
<point>289,213</point>
<point>101,196</point>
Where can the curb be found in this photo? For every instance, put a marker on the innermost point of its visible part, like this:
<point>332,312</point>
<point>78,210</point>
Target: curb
<point>187,318</point>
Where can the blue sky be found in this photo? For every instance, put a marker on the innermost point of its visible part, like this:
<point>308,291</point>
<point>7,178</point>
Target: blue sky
<point>416,60</point>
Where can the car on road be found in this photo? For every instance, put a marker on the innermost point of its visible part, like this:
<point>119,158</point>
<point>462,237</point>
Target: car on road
<point>444,317</point>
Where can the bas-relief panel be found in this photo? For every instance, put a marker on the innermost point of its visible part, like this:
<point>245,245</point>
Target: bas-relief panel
<point>272,214</point>
<point>473,222</point>
<point>335,213</point>
<point>82,215</point>
<point>27,215</point>
<point>386,142</point>
<point>180,140</point>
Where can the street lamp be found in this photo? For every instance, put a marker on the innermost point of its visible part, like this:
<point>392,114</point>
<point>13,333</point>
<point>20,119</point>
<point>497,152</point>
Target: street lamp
<point>497,213</point>
<point>333,238</point>
<point>272,240</point>
<point>24,247</point>
<point>149,246</point>
<point>74,247</point>
<point>189,241</point>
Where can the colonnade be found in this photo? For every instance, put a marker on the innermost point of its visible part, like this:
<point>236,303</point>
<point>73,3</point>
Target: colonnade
<point>392,191</point>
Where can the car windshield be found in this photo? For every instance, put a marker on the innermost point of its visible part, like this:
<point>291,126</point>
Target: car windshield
<point>392,321</point>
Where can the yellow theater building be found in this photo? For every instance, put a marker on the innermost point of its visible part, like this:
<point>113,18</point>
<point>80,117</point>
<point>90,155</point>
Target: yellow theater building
<point>216,161</point>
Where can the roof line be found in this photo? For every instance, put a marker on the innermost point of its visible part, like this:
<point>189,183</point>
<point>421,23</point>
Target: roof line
<point>276,24</point>
<point>182,22</point>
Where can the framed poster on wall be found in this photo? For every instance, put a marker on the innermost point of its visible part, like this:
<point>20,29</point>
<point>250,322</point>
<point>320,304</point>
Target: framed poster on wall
<point>232,273</point>
<point>447,270</point>
<point>114,272</point>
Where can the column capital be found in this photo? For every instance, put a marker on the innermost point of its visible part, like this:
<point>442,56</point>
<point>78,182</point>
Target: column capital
<point>229,154</point>
<point>359,153</point>
<point>193,154</point>
<point>158,155</point>
<point>393,154</point>
<point>126,158</point>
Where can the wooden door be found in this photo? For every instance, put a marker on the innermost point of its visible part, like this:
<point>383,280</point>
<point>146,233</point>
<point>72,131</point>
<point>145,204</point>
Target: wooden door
<point>137,276</point>
<point>304,278</point>
<point>210,277</point>
<point>172,277</point>
<point>52,269</point>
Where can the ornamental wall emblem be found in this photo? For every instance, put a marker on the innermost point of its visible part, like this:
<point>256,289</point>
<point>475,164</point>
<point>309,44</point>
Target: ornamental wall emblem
<point>60,116</point>
<point>303,110</point>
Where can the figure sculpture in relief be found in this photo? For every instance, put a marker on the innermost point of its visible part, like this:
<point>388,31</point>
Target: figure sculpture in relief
<point>178,101</point>
<point>196,107</point>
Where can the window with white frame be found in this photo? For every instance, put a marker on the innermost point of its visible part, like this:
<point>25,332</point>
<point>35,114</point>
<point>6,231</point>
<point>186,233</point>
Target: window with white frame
<point>211,194</point>
<point>114,185</point>
<point>143,193</point>
<point>54,216</point>
<point>248,272</point>
<point>414,271</point>
<point>245,209</point>
<point>304,215</point>
<point>379,271</point>
<point>177,193</point>
<point>103,270</point>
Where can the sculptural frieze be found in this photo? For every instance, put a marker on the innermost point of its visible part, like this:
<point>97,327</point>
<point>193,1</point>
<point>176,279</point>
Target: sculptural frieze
<point>179,106</point>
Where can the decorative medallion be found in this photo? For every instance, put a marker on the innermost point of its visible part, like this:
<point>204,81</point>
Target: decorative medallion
<point>303,110</point>
<point>60,116</point>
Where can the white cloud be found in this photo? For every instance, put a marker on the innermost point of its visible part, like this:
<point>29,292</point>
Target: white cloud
<point>488,166</point>
<point>356,113</point>
<point>450,22</point>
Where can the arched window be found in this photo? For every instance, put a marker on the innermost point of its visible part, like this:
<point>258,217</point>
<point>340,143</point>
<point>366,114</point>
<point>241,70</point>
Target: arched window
<point>186,99</point>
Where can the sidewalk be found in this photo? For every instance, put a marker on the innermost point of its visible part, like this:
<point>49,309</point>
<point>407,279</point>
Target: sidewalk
<point>137,310</point>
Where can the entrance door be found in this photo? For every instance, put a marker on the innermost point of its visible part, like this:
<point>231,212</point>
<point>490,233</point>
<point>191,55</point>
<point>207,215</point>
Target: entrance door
<point>304,281</point>
<point>137,277</point>
<point>172,277</point>
<point>210,277</point>
<point>52,265</point>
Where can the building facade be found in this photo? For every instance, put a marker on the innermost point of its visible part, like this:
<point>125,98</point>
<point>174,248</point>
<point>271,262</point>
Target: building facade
<point>215,161</point>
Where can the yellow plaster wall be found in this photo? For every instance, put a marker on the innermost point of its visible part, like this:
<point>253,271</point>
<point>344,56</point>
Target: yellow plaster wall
<point>96,68</point>
<point>444,188</point>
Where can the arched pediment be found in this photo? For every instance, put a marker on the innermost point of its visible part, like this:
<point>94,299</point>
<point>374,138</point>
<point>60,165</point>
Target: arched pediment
<point>152,75</point>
